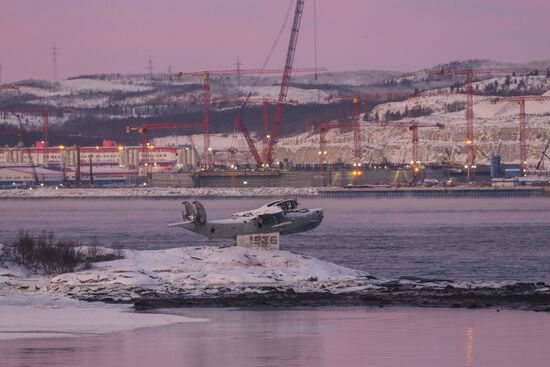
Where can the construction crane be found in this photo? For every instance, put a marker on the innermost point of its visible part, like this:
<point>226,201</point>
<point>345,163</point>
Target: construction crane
<point>43,111</point>
<point>413,127</point>
<point>260,159</point>
<point>27,149</point>
<point>469,73</point>
<point>146,128</point>
<point>541,161</point>
<point>251,146</point>
<point>232,166</point>
<point>285,80</point>
<point>356,116</point>
<point>522,123</point>
<point>356,124</point>
<point>323,128</point>
<point>206,99</point>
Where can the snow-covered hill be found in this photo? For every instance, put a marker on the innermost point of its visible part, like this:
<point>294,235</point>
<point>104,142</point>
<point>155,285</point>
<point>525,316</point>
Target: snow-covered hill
<point>100,98</point>
<point>496,129</point>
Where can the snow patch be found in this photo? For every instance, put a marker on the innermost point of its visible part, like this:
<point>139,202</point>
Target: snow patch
<point>197,271</point>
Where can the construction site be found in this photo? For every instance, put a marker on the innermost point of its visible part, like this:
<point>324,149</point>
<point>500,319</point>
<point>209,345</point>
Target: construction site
<point>382,139</point>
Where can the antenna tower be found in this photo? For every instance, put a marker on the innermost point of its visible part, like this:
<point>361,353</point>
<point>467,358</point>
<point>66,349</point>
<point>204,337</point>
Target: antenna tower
<point>54,55</point>
<point>150,68</point>
<point>238,65</point>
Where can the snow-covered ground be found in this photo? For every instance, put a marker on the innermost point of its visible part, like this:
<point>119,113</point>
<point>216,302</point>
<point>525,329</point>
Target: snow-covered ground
<point>28,309</point>
<point>35,319</point>
<point>198,271</point>
<point>33,306</point>
<point>301,96</point>
<point>38,306</point>
<point>48,192</point>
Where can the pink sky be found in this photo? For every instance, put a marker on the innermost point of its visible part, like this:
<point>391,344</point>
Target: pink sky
<point>108,36</point>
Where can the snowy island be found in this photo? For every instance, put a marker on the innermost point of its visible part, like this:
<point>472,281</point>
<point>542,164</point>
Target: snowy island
<point>238,276</point>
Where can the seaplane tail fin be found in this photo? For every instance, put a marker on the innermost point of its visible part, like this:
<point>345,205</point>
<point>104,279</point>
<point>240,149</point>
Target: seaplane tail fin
<point>193,212</point>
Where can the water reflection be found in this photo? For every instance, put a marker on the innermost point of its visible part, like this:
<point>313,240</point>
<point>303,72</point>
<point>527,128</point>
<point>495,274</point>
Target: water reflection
<point>318,337</point>
<point>469,346</point>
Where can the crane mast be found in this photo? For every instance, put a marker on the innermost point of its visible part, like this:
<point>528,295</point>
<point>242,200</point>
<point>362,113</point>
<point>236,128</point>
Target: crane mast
<point>286,79</point>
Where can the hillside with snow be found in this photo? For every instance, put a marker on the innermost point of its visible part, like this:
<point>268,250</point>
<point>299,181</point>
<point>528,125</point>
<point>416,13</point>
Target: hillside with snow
<point>101,106</point>
<point>496,130</point>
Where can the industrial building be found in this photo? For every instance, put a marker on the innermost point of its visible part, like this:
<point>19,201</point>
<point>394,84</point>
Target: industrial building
<point>99,165</point>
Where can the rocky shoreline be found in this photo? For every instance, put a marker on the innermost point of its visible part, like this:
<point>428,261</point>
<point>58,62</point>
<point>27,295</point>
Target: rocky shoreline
<point>523,296</point>
<point>242,277</point>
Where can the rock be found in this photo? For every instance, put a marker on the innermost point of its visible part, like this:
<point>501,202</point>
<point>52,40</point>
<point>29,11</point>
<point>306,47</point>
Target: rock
<point>87,277</point>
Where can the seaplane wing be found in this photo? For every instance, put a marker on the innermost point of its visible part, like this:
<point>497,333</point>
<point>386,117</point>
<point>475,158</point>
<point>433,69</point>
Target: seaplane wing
<point>272,208</point>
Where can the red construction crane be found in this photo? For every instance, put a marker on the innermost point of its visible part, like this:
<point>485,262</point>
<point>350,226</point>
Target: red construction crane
<point>43,111</point>
<point>144,129</point>
<point>286,79</point>
<point>413,127</point>
<point>240,125</point>
<point>323,128</point>
<point>356,99</point>
<point>543,155</point>
<point>206,74</point>
<point>469,74</point>
<point>356,124</point>
<point>522,123</point>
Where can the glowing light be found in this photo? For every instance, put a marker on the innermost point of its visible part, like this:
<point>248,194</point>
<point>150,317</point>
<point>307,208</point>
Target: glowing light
<point>61,147</point>
<point>119,148</point>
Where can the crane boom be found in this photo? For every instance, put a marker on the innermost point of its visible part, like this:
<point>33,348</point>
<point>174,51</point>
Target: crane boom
<point>286,79</point>
<point>240,124</point>
<point>543,154</point>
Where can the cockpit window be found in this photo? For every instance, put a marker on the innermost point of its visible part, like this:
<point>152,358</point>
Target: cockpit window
<point>288,205</point>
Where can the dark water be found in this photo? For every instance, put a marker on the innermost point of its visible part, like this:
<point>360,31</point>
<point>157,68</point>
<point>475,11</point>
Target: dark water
<point>310,338</point>
<point>462,239</point>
